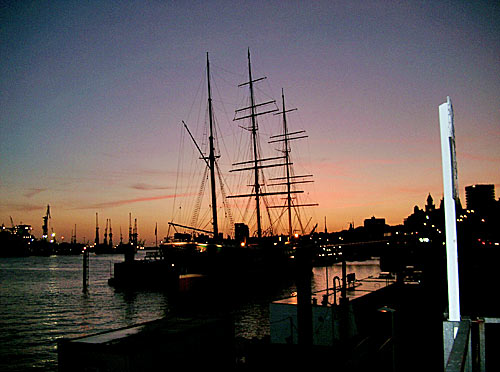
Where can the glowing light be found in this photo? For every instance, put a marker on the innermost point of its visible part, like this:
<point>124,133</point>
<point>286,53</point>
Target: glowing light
<point>386,309</point>
<point>242,244</point>
<point>296,235</point>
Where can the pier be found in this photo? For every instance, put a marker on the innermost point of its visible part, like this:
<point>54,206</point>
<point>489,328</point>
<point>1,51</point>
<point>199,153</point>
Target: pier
<point>173,341</point>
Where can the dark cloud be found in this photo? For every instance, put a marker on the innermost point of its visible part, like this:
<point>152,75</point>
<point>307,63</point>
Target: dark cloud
<point>24,207</point>
<point>144,186</point>
<point>118,203</point>
<point>32,192</point>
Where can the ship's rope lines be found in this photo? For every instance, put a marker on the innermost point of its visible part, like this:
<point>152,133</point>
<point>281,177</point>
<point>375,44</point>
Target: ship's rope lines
<point>219,138</point>
<point>179,185</point>
<point>204,135</point>
<point>243,146</point>
<point>197,100</point>
<point>230,85</point>
<point>308,160</point>
<point>234,133</point>
<point>207,226</point>
<point>265,202</point>
<point>278,220</point>
<point>197,206</point>
<point>227,209</point>
<point>298,219</point>
<point>237,74</point>
<point>270,219</point>
<point>179,163</point>
<point>246,212</point>
<point>207,217</point>
<point>219,135</point>
<point>223,103</point>
<point>300,199</point>
<point>199,105</point>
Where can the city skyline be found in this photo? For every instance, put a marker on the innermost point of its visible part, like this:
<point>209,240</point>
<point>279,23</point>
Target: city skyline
<point>93,96</point>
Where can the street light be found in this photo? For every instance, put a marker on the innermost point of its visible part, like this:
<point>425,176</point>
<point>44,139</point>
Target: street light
<point>386,309</point>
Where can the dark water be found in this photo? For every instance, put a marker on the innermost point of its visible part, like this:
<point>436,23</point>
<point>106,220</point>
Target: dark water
<point>41,301</point>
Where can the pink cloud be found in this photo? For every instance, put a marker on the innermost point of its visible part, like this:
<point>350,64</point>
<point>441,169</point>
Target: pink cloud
<point>470,156</point>
<point>32,192</point>
<point>143,186</point>
<point>24,207</point>
<point>118,203</point>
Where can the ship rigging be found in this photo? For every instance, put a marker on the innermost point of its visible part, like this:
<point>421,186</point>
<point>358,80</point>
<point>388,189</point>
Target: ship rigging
<point>280,185</point>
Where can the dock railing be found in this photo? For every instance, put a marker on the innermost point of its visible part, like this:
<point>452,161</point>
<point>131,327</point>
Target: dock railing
<point>464,344</point>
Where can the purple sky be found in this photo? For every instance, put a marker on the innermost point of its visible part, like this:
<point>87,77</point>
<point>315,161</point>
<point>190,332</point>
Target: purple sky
<point>92,96</point>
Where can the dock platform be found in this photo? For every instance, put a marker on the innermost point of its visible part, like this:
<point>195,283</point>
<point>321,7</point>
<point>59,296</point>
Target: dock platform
<point>172,341</point>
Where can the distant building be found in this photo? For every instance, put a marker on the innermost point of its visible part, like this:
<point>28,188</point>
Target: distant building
<point>480,197</point>
<point>24,231</point>
<point>428,218</point>
<point>375,227</point>
<point>241,232</point>
<point>430,207</point>
<point>374,222</point>
<point>182,237</point>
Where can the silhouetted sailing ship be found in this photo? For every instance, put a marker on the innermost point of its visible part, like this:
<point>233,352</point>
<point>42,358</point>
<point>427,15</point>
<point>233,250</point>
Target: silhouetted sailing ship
<point>264,252</point>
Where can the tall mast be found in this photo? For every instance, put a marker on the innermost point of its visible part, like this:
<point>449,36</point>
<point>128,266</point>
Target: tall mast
<point>106,233</point>
<point>45,226</point>
<point>130,240</point>
<point>257,163</point>
<point>110,234</point>
<point>134,235</point>
<point>290,179</point>
<point>287,162</point>
<point>254,144</point>
<point>96,241</point>
<point>211,157</point>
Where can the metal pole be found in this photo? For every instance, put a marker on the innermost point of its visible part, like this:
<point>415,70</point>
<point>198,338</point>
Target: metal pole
<point>304,308</point>
<point>343,291</point>
<point>482,346</point>
<point>211,157</point>
<point>255,151</point>
<point>450,197</point>
<point>326,267</point>
<point>85,270</point>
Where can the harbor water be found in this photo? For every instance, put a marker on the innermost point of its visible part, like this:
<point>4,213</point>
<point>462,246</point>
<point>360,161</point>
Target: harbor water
<point>41,301</point>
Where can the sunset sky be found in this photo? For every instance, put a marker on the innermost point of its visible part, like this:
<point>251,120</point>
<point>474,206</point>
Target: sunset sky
<point>93,94</point>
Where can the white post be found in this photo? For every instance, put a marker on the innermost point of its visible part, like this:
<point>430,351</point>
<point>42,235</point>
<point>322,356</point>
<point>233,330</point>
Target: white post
<point>450,197</point>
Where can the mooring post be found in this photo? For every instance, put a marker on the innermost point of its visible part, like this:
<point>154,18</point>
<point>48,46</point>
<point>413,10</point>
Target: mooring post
<point>343,291</point>
<point>304,294</point>
<point>85,270</point>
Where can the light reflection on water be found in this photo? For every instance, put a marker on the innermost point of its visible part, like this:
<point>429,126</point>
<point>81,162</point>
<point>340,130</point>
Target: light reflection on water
<point>362,269</point>
<point>42,301</point>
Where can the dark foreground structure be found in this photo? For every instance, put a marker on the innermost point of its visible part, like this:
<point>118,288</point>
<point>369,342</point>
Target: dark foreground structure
<point>386,329</point>
<point>396,322</point>
<point>190,343</point>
